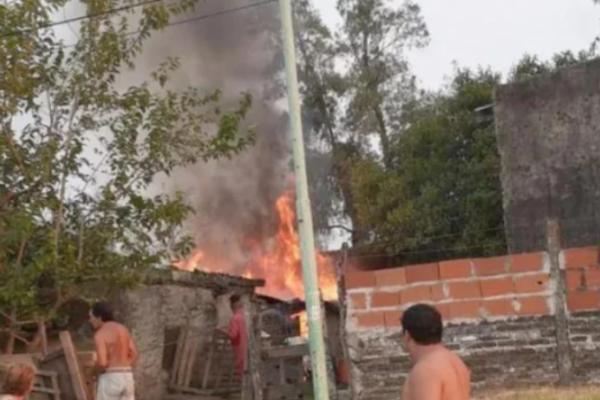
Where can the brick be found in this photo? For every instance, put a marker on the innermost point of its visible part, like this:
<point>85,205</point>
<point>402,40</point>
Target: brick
<point>574,279</point>
<point>422,273</point>
<point>533,306</point>
<point>385,299</point>
<point>358,301</point>
<point>390,277</point>
<point>581,301</point>
<point>392,319</point>
<point>444,309</point>
<point>583,257</point>
<point>416,295</point>
<point>531,284</point>
<point>465,290</point>
<point>465,309</point>
<point>370,319</point>
<point>499,308</point>
<point>360,279</point>
<point>592,277</point>
<point>455,269</point>
<point>490,266</point>
<point>530,262</point>
<point>497,287</point>
<point>437,292</point>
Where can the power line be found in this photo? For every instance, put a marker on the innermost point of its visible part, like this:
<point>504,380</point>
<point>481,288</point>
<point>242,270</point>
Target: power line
<point>175,23</point>
<point>81,18</point>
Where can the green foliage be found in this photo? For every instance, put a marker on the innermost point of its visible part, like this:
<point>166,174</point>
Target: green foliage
<point>80,148</point>
<point>346,110</point>
<point>442,197</point>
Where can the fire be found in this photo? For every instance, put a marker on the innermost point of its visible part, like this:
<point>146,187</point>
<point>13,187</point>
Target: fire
<point>303,322</point>
<point>277,261</point>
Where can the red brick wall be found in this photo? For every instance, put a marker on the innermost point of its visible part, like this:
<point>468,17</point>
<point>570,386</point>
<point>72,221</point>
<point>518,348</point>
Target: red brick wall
<point>462,290</point>
<point>499,312</point>
<point>583,279</point>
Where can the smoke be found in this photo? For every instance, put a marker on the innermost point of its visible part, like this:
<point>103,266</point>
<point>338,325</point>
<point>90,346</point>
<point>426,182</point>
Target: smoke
<point>235,52</point>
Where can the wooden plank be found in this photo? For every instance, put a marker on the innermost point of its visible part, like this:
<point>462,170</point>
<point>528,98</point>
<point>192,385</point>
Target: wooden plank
<point>75,370</point>
<point>191,359</point>
<point>224,346</point>
<point>185,355</point>
<point>55,386</point>
<point>296,351</point>
<point>208,365</point>
<point>178,355</point>
<point>254,358</point>
<point>47,374</point>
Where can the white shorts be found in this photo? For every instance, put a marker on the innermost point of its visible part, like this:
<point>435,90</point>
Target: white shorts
<point>116,386</point>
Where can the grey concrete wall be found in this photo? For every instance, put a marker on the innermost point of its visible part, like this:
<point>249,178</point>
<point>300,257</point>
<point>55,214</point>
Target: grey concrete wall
<point>548,131</point>
<point>150,311</point>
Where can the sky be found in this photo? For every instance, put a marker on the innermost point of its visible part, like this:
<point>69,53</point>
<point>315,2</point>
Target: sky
<point>495,33</point>
<point>472,33</point>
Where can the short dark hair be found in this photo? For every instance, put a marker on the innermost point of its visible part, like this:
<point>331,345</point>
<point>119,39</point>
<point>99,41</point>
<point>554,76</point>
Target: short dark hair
<point>234,299</point>
<point>103,310</point>
<point>424,324</point>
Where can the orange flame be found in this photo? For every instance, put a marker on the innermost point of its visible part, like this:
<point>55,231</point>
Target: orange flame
<point>303,322</point>
<point>278,261</point>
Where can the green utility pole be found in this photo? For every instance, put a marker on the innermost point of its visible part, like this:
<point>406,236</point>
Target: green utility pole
<point>305,224</point>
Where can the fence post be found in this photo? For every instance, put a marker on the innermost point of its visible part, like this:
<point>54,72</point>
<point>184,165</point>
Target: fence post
<point>252,382</point>
<point>561,320</point>
<point>343,303</point>
<point>331,378</point>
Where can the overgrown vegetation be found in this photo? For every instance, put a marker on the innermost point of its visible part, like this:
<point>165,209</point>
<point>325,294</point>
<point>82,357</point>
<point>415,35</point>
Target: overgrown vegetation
<point>415,174</point>
<point>80,147</point>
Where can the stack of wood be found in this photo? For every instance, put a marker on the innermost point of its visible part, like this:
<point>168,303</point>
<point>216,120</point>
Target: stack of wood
<point>63,374</point>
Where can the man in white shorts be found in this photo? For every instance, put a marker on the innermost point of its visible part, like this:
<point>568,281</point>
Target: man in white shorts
<point>116,355</point>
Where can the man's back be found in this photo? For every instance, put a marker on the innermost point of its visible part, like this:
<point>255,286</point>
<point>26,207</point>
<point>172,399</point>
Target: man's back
<point>440,375</point>
<point>118,344</point>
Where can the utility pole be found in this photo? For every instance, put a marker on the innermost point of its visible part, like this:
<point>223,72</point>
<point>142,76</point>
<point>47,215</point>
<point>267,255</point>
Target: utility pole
<point>304,215</point>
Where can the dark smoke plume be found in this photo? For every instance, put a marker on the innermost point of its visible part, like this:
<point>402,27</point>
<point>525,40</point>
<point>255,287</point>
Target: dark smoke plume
<point>235,52</point>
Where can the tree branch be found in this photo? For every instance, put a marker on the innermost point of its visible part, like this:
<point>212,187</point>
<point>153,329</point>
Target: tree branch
<point>63,180</point>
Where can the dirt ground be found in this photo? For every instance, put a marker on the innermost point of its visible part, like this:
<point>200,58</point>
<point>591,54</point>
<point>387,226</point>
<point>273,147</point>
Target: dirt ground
<point>590,393</point>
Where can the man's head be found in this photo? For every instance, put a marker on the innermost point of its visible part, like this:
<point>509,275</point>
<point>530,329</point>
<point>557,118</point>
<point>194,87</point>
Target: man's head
<point>235,301</point>
<point>421,326</point>
<point>18,381</point>
<point>100,313</point>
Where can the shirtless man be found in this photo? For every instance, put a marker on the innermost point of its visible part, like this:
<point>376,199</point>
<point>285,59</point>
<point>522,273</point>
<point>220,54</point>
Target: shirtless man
<point>437,373</point>
<point>116,355</point>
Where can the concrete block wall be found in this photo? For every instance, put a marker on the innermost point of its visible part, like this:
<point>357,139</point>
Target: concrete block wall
<point>499,315</point>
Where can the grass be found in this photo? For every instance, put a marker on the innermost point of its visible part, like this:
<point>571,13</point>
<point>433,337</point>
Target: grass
<point>590,393</point>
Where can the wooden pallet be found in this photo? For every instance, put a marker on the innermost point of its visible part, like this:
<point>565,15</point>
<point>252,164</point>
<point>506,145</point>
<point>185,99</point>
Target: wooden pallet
<point>217,368</point>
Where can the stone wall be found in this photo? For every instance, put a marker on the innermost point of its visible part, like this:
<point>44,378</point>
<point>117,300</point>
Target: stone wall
<point>500,316</point>
<point>171,300</point>
<point>548,130</point>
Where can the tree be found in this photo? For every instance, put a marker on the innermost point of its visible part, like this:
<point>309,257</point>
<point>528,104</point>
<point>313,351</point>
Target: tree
<point>76,218</point>
<point>442,197</point>
<point>348,110</point>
